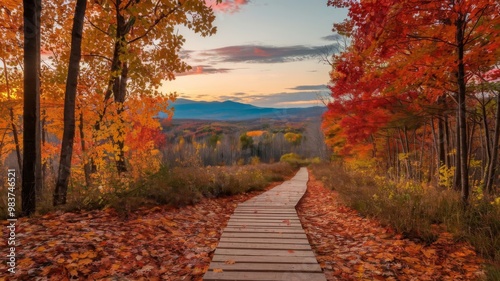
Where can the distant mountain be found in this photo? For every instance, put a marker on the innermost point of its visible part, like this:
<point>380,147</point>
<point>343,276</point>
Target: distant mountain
<point>230,110</point>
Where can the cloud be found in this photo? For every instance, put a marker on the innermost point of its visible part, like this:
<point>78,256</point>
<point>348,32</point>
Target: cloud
<point>239,94</point>
<point>300,103</point>
<point>231,97</point>
<point>283,99</point>
<point>309,87</point>
<point>227,6</point>
<point>331,37</point>
<point>203,69</point>
<point>263,54</point>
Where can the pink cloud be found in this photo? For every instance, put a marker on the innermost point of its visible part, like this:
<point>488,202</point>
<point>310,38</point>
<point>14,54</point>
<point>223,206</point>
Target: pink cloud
<point>227,6</point>
<point>203,69</point>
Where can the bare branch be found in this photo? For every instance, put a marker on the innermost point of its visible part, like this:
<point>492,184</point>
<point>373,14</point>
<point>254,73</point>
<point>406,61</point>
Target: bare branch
<point>155,23</point>
<point>97,56</point>
<point>96,27</point>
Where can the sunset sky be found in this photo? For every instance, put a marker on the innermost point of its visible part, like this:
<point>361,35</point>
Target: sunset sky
<point>265,53</point>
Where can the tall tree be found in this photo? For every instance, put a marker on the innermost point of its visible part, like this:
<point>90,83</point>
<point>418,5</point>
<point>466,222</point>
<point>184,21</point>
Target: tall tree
<point>142,48</point>
<point>413,53</point>
<point>31,115</point>
<point>69,105</point>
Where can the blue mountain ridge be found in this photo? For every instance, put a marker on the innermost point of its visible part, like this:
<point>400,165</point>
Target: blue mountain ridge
<point>230,110</point>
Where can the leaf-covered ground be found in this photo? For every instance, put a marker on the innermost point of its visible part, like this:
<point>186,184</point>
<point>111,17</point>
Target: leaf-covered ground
<point>159,243</point>
<point>163,243</point>
<point>350,247</point>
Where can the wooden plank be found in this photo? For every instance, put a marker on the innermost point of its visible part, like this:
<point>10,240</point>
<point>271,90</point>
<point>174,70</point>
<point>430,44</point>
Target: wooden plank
<point>264,218</point>
<point>276,253</point>
<point>270,206</point>
<point>235,228</point>
<point>276,267</point>
<point>263,224</point>
<point>264,276</point>
<point>261,211</point>
<point>264,259</point>
<point>263,230</point>
<point>261,246</point>
<point>264,235</point>
<point>268,216</point>
<point>265,240</point>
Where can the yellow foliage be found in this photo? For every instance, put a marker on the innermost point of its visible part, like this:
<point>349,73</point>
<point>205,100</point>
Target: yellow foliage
<point>256,133</point>
<point>446,176</point>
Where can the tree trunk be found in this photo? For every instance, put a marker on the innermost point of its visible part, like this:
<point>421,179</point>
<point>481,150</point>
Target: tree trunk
<point>447,143</point>
<point>487,141</point>
<point>38,169</point>
<point>87,166</point>
<point>31,115</point>
<point>494,153</point>
<point>16,139</point>
<point>69,105</point>
<point>43,140</point>
<point>462,113</point>
<point>121,165</point>
<point>458,167</point>
<point>441,138</point>
<point>12,119</point>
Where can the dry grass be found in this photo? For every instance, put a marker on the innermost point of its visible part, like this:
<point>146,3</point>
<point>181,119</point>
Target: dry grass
<point>416,210</point>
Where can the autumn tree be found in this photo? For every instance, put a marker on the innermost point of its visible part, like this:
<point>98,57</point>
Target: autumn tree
<point>69,105</point>
<point>409,60</point>
<point>140,47</point>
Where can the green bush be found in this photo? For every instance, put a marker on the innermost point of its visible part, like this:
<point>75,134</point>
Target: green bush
<point>297,161</point>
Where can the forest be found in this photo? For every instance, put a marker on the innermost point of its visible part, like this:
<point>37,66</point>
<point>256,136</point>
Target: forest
<point>407,149</point>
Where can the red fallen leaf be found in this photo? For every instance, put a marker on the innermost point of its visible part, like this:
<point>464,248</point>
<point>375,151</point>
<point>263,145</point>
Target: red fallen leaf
<point>291,251</point>
<point>343,241</point>
<point>287,222</point>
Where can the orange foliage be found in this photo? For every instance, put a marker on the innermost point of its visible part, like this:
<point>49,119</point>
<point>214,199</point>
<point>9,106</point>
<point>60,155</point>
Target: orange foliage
<point>255,133</point>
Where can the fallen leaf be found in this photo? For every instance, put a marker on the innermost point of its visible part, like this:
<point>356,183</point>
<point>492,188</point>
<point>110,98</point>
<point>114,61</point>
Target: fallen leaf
<point>218,270</point>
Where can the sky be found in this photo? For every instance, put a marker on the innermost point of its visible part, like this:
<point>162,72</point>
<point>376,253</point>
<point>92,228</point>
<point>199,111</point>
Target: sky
<point>265,53</point>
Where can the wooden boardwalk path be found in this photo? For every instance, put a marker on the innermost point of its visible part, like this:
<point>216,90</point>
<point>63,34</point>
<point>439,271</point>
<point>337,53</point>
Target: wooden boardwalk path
<point>264,239</point>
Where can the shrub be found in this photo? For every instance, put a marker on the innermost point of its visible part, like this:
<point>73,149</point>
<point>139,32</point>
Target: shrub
<point>297,161</point>
<point>176,187</point>
<point>412,208</point>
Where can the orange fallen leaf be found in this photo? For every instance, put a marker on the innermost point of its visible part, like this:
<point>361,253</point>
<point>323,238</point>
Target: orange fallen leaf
<point>428,253</point>
<point>75,256</point>
<point>84,262</point>
<point>230,262</point>
<point>218,270</point>
<point>41,249</point>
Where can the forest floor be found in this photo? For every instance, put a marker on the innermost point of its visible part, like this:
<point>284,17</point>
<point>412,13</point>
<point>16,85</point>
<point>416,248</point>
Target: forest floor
<point>165,243</point>
<point>351,247</point>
